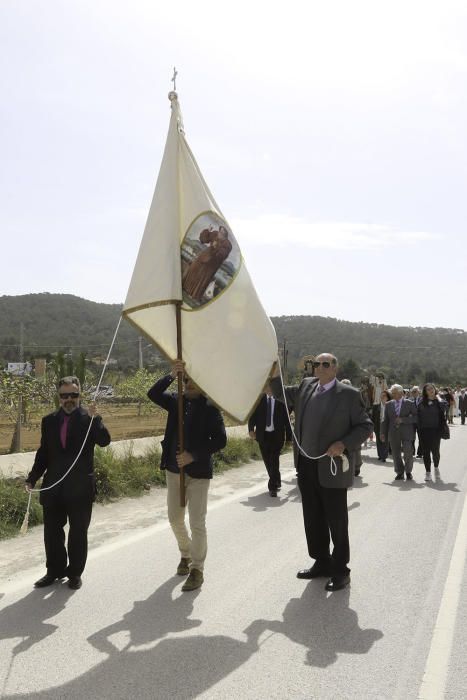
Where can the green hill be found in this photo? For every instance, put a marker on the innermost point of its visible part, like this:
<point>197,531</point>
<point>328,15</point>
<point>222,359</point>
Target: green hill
<point>63,322</point>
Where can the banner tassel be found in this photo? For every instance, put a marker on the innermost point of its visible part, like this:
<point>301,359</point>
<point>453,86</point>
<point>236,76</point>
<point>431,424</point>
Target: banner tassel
<point>24,526</point>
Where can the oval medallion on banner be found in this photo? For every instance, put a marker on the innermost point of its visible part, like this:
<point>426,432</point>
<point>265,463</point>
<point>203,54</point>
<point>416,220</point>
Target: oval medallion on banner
<point>211,259</point>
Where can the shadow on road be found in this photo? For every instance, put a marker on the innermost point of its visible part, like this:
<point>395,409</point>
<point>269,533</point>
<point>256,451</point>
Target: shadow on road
<point>26,618</point>
<point>358,483</point>
<point>440,485</point>
<point>148,666</point>
<point>405,485</point>
<point>263,501</point>
<point>322,623</point>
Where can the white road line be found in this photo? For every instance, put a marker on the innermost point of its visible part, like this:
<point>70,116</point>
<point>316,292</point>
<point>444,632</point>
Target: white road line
<point>436,670</point>
<point>24,580</point>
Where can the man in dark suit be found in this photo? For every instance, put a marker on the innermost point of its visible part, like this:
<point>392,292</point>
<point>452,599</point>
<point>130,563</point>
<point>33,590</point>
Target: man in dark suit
<point>204,434</point>
<point>398,428</point>
<point>269,425</point>
<point>330,420</point>
<point>63,434</point>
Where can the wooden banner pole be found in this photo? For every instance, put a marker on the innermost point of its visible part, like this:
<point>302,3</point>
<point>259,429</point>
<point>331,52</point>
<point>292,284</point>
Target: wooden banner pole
<point>181,442</point>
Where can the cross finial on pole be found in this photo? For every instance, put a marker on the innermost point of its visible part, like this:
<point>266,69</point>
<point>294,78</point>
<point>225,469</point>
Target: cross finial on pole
<point>174,78</point>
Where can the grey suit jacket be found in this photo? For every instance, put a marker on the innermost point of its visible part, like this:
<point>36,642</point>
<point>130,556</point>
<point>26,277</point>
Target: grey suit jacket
<point>344,420</point>
<point>408,416</point>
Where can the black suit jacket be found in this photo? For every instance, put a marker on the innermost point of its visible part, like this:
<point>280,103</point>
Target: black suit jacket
<point>204,435</point>
<point>345,420</point>
<point>280,419</point>
<point>52,460</point>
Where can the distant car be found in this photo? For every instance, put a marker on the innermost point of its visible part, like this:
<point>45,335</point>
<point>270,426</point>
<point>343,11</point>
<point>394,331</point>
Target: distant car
<point>106,391</point>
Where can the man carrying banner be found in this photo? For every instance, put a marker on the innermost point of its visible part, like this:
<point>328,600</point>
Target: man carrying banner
<point>330,421</point>
<point>204,434</point>
<point>63,435</point>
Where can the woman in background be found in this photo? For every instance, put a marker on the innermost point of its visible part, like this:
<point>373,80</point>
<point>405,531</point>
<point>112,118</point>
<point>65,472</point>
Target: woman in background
<point>431,416</point>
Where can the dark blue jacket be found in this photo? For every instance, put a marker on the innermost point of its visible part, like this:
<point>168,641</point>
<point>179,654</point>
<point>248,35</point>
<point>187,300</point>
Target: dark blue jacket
<point>204,430</point>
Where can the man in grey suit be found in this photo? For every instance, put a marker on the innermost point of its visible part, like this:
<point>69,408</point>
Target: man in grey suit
<point>330,422</point>
<point>398,427</point>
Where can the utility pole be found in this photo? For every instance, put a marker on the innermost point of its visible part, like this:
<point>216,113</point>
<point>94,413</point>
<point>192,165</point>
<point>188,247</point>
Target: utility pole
<point>16,443</point>
<point>285,353</point>
<point>140,353</point>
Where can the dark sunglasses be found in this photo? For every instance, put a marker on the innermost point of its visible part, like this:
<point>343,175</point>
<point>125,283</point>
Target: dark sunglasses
<point>69,395</point>
<point>325,364</point>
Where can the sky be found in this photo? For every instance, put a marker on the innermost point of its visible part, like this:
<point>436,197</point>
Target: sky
<point>332,135</point>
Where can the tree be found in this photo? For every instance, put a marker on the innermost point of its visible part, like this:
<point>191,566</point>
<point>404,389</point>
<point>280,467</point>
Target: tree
<point>350,370</point>
<point>137,385</point>
<point>19,396</point>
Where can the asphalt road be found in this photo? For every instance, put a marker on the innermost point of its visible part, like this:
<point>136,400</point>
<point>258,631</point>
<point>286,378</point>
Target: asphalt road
<point>254,630</point>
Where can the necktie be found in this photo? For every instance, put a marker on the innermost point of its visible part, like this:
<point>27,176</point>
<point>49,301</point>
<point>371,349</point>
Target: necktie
<point>63,430</point>
<point>398,407</point>
<point>269,413</point>
<point>321,389</point>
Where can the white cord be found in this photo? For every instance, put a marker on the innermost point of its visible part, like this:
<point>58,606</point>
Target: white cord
<point>333,465</point>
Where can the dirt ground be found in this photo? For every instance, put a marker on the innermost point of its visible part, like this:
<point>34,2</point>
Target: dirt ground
<point>123,423</point>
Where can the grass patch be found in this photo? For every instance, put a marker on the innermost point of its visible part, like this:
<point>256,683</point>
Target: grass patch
<point>13,504</point>
<point>116,477</point>
<point>126,475</point>
<point>238,451</point>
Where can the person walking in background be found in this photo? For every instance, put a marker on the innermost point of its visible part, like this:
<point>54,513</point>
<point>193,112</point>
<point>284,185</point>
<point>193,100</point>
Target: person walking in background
<point>378,384</point>
<point>204,434</point>
<point>382,448</point>
<point>431,417</point>
<point>398,427</point>
<point>63,435</point>
<point>463,405</point>
<point>269,426</point>
<point>451,404</point>
<point>416,398</point>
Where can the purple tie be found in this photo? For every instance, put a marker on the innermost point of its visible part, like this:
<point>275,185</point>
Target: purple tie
<point>321,389</point>
<point>398,407</point>
<point>63,430</point>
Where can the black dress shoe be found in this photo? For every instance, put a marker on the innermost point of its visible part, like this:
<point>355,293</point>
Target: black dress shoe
<point>75,582</point>
<point>318,570</point>
<point>399,477</point>
<point>409,476</point>
<point>272,492</point>
<point>46,580</point>
<point>338,582</point>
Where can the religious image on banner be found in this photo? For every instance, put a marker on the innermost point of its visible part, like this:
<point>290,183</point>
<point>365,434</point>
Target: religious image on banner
<point>211,259</point>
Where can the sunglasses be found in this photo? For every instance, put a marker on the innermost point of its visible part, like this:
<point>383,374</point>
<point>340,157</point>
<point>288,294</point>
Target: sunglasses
<point>69,395</point>
<point>324,364</point>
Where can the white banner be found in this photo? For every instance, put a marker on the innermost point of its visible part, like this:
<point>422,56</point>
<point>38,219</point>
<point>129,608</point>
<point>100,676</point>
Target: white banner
<point>189,254</point>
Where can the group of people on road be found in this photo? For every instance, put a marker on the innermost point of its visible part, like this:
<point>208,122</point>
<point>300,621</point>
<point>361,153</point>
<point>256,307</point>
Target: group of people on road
<point>403,414</point>
<point>332,419</point>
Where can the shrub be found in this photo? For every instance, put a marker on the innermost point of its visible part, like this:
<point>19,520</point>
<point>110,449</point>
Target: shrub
<point>127,475</point>
<point>116,476</point>
<point>13,504</point>
<point>238,451</point>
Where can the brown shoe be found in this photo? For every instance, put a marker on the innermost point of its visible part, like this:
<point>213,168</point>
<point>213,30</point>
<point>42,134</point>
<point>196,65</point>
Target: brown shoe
<point>194,580</point>
<point>183,569</point>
